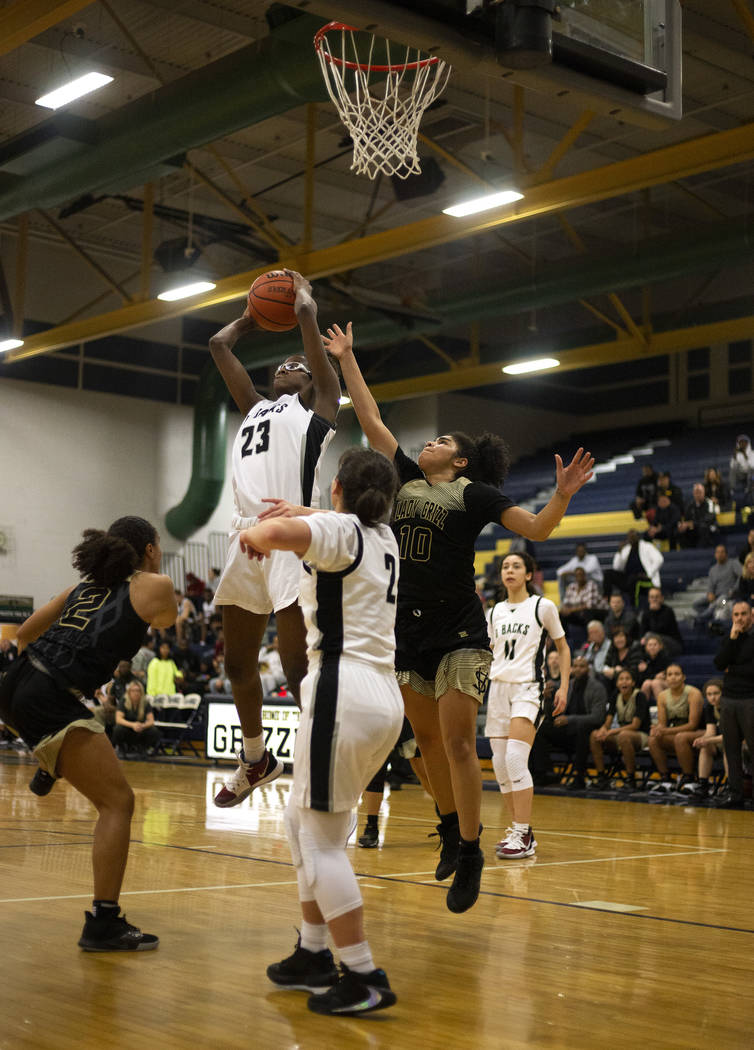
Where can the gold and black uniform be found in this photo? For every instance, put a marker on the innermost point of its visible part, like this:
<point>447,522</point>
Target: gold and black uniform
<point>436,527</point>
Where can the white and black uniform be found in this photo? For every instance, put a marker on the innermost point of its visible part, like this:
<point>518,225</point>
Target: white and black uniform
<point>519,638</point>
<point>277,452</point>
<point>352,709</point>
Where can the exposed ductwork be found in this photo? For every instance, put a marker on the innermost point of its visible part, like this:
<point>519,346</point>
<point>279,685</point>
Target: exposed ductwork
<point>63,158</point>
<point>659,259</point>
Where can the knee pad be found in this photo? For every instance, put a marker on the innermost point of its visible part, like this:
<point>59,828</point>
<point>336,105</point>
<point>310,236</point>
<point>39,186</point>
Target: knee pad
<point>517,760</point>
<point>499,747</point>
<point>322,839</point>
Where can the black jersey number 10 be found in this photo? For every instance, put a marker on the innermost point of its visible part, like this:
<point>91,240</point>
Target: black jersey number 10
<point>414,542</point>
<point>263,434</point>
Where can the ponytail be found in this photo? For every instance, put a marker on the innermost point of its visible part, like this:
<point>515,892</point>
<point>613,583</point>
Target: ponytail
<point>369,483</point>
<point>106,558</point>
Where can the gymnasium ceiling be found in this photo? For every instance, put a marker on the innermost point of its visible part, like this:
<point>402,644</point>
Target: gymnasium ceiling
<point>631,242</point>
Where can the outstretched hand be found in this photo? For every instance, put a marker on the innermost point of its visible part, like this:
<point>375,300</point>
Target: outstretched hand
<point>571,478</point>
<point>337,342</point>
<point>280,508</point>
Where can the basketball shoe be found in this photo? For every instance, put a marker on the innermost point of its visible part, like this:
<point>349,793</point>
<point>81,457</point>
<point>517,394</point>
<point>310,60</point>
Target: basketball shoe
<point>464,889</point>
<point>305,970</point>
<point>247,777</point>
<point>370,838</point>
<point>114,935</point>
<point>42,783</point>
<point>516,844</point>
<point>354,993</point>
<point>450,838</point>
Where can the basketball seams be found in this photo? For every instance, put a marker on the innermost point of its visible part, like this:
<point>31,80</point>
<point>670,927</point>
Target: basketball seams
<point>271,299</point>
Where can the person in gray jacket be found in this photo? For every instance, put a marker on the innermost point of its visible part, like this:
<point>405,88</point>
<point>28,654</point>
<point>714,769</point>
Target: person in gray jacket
<point>586,709</point>
<point>723,576</point>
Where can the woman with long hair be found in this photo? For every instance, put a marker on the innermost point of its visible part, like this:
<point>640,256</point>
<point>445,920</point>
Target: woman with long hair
<point>351,716</point>
<point>679,712</point>
<point>519,627</point>
<point>69,647</point>
<point>443,654</point>
<point>277,451</point>
<point>134,721</point>
<point>626,729</point>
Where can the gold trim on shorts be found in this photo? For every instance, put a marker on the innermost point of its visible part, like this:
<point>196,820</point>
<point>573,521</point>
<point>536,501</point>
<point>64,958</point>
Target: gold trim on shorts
<point>464,669</point>
<point>47,750</point>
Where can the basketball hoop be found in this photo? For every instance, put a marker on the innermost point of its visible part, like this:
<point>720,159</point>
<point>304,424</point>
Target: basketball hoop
<point>384,125</point>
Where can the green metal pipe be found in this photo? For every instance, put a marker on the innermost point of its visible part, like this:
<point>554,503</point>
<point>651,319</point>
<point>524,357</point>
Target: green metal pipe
<point>256,82</point>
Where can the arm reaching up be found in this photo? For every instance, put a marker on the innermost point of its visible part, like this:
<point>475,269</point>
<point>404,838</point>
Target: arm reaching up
<point>340,345</point>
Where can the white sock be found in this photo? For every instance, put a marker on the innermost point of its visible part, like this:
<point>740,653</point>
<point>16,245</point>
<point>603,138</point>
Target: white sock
<point>313,936</point>
<point>253,748</point>
<point>357,957</point>
<point>523,828</point>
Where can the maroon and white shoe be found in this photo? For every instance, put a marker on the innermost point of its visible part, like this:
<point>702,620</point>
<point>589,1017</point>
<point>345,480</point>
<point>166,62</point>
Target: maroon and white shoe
<point>516,844</point>
<point>247,777</point>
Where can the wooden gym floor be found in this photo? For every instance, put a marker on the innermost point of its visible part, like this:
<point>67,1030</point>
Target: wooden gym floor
<point>633,926</point>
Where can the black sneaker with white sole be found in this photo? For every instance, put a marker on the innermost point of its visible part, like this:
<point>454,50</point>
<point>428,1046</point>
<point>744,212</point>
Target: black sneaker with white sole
<point>114,935</point>
<point>354,993</point>
<point>305,970</point>
<point>42,783</point>
<point>370,838</point>
<point>465,887</point>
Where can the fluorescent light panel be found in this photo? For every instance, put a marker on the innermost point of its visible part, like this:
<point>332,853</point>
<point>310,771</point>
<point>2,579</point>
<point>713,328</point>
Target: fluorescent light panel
<point>75,89</point>
<point>185,290</point>
<point>10,344</point>
<point>522,367</point>
<point>490,200</point>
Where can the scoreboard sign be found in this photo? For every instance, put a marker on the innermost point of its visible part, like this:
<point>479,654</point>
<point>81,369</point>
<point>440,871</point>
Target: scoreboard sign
<point>279,724</point>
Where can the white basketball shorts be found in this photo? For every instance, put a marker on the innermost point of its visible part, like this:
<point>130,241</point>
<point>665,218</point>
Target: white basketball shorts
<point>351,717</point>
<point>259,586</point>
<point>508,700</point>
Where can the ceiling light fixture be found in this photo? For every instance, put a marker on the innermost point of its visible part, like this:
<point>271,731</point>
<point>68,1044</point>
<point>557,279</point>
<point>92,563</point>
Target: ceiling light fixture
<point>185,290</point>
<point>490,200</point>
<point>10,344</point>
<point>74,89</point>
<point>538,365</point>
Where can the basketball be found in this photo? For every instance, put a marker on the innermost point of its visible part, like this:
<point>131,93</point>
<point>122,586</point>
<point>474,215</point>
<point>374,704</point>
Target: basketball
<point>271,299</point>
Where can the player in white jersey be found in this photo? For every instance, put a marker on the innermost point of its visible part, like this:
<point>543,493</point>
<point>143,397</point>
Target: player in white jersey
<point>519,626</point>
<point>276,453</point>
<point>352,713</point>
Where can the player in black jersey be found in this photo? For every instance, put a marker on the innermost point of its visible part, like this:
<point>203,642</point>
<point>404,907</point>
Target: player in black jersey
<point>442,651</point>
<point>69,647</point>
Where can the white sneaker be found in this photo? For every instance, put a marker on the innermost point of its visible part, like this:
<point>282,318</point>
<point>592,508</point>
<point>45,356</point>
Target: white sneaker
<point>665,787</point>
<point>516,844</point>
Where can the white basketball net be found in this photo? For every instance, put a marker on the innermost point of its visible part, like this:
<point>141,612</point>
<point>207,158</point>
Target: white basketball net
<point>384,122</point>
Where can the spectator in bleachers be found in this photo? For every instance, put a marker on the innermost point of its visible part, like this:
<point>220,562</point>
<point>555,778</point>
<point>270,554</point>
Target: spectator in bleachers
<point>715,489</point>
<point>582,559</point>
<point>625,729</point>
<point>660,619</point>
<point>585,711</point>
<point>219,683</point>
<point>271,666</point>
<point>744,589</point>
<point>208,611</point>
<point>721,580</point>
<point>8,653</point>
<point>698,527</point>
<point>186,617</point>
<point>134,722</point>
<point>143,658</point>
<point>163,676</point>
<point>635,561</point>
<point>664,524</point>
<point>708,744</point>
<point>623,655</point>
<point>214,579</point>
<point>597,646</point>
<point>583,601</point>
<point>748,547</point>
<point>553,668</point>
<point>665,486</point>
<point>736,660</point>
<point>646,492</point>
<point>188,661</point>
<point>652,669</point>
<point>741,472</point>
<point>679,712</point>
<point>621,615</point>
